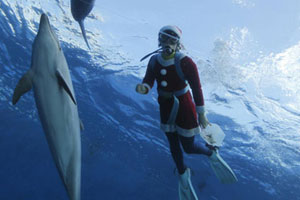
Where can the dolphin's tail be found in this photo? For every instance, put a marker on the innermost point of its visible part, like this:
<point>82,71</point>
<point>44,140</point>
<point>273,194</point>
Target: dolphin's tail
<point>81,24</point>
<point>71,175</point>
<point>73,187</point>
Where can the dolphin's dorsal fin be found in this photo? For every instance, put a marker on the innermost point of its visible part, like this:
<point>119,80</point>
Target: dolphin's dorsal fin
<point>23,86</point>
<point>64,84</point>
<point>81,125</point>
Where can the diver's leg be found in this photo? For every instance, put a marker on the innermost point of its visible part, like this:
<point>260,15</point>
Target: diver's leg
<point>185,187</point>
<point>222,170</point>
<point>190,146</point>
<point>176,151</point>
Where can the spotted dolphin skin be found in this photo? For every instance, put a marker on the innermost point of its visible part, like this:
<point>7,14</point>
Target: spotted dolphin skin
<point>80,9</point>
<point>50,79</point>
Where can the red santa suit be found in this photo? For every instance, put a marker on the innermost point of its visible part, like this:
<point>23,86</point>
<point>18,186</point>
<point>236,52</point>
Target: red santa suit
<point>168,80</point>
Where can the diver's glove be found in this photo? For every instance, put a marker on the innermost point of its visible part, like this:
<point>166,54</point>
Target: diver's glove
<point>142,88</point>
<point>203,121</point>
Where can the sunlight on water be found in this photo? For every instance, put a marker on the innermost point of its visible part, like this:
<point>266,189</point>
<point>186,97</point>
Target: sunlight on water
<point>254,96</point>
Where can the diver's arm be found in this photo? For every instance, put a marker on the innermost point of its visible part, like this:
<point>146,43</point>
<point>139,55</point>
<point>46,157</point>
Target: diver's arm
<point>148,81</point>
<point>190,71</point>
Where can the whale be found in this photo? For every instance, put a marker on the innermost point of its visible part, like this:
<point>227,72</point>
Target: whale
<point>80,10</point>
<point>50,79</point>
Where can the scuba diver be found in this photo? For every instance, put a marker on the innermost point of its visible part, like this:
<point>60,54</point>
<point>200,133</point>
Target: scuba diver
<point>182,114</point>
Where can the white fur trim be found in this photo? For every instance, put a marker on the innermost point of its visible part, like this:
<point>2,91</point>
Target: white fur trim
<point>200,109</point>
<point>175,29</point>
<point>188,132</point>
<point>179,130</point>
<point>164,62</point>
<point>180,55</point>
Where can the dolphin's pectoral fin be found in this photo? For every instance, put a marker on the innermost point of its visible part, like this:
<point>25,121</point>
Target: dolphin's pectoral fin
<point>64,84</point>
<point>81,125</point>
<point>23,86</point>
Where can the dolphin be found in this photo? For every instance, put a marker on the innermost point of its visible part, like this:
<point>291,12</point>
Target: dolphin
<point>80,9</point>
<point>50,79</point>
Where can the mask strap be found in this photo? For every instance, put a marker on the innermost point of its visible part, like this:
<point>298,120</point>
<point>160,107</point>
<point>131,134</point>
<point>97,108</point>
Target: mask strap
<point>169,35</point>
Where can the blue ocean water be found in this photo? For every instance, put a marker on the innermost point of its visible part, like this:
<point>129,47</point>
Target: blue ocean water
<point>125,155</point>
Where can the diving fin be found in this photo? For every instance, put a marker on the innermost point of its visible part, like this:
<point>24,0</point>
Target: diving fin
<point>186,190</point>
<point>222,170</point>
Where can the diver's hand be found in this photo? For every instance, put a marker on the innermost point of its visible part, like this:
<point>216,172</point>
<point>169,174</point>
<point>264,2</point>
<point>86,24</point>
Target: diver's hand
<point>203,121</point>
<point>142,89</point>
